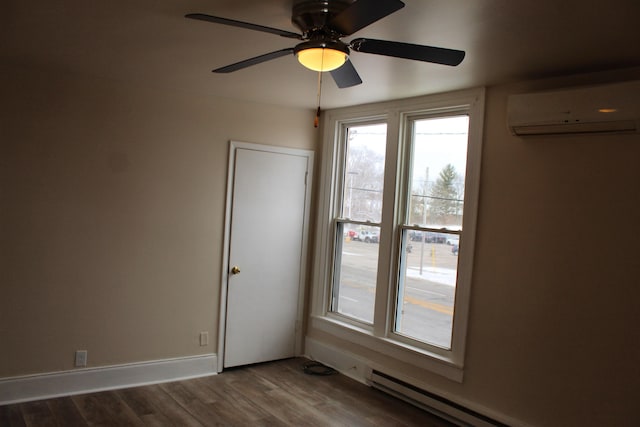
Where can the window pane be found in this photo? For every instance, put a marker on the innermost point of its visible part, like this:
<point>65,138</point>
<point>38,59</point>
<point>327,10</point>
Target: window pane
<point>364,173</point>
<point>429,262</point>
<point>427,290</point>
<point>438,165</point>
<point>356,269</point>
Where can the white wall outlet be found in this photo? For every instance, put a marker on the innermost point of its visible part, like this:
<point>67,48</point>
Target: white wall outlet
<point>81,358</point>
<point>204,339</point>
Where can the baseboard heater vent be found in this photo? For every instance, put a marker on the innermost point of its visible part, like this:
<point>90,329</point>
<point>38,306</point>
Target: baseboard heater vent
<point>428,401</point>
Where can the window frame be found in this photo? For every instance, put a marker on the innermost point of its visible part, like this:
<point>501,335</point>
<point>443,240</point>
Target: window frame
<point>380,336</point>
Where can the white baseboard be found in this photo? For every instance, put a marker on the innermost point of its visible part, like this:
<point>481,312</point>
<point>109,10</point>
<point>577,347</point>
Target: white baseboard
<point>346,363</point>
<point>44,386</point>
<point>361,369</point>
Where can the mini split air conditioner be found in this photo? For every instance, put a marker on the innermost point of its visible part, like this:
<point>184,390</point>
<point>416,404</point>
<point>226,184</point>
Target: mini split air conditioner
<point>595,109</point>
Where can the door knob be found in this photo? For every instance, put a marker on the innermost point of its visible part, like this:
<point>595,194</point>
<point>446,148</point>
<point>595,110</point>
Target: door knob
<point>235,270</point>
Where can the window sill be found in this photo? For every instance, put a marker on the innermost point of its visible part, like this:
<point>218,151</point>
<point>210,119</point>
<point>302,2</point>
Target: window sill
<point>418,357</point>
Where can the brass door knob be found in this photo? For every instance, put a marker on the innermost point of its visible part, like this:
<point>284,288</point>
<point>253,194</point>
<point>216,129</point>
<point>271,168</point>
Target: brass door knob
<point>235,270</point>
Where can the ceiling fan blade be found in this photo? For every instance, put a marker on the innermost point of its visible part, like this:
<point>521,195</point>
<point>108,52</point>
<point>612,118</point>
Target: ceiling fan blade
<point>362,13</point>
<point>416,52</point>
<point>241,24</point>
<point>253,61</point>
<point>346,76</point>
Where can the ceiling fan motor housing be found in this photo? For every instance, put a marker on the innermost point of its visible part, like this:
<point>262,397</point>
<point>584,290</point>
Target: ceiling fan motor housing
<point>312,16</point>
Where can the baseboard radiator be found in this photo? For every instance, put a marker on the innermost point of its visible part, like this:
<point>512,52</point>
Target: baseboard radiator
<point>428,401</point>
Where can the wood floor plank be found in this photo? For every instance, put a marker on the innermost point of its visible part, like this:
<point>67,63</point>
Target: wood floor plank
<point>289,377</point>
<point>347,416</point>
<point>144,405</point>
<point>169,408</point>
<point>11,416</point>
<point>179,393</point>
<point>66,412</point>
<point>201,391</point>
<point>106,409</point>
<point>262,404</point>
<point>157,420</point>
<point>236,402</point>
<point>340,394</point>
<point>135,399</point>
<point>206,413</point>
<point>286,407</point>
<point>275,394</point>
<point>38,414</point>
<point>376,406</point>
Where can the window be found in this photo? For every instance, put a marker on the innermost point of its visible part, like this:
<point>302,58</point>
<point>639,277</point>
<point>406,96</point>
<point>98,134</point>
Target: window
<point>358,223</point>
<point>397,227</point>
<point>431,228</point>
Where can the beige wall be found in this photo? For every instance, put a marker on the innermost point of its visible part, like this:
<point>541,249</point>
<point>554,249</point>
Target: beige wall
<point>111,216</point>
<point>553,326</point>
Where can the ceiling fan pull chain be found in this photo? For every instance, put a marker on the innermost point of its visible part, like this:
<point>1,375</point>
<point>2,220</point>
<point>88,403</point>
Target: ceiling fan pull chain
<point>316,121</point>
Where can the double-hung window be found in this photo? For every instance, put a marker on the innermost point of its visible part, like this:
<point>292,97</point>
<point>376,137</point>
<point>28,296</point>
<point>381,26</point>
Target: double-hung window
<point>397,227</point>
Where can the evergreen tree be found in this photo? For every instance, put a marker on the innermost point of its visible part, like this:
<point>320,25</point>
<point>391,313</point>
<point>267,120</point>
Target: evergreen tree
<point>444,196</point>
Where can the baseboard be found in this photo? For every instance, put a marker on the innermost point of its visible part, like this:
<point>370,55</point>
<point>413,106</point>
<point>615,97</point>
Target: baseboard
<point>44,386</point>
<point>346,363</point>
<point>450,411</point>
<point>361,370</point>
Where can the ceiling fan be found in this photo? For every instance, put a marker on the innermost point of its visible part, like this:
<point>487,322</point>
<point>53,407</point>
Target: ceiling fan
<point>322,24</point>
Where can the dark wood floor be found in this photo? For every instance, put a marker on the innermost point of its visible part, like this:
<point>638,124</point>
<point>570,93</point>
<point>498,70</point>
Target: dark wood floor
<point>270,394</point>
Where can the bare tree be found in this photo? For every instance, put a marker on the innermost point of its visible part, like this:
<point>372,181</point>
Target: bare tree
<point>364,177</point>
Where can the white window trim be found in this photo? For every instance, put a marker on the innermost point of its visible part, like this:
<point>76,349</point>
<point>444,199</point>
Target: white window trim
<point>380,338</point>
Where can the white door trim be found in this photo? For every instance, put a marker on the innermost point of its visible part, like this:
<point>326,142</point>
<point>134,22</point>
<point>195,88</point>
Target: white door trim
<point>308,154</point>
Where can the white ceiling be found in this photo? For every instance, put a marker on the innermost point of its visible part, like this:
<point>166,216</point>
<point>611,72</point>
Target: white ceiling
<point>149,42</point>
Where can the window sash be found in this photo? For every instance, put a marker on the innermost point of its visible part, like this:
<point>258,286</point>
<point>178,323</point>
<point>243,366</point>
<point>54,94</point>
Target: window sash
<point>432,338</point>
<point>357,312</point>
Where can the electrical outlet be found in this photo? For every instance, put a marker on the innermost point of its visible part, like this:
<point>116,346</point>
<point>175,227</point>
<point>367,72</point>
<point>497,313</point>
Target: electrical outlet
<point>204,339</point>
<point>81,358</point>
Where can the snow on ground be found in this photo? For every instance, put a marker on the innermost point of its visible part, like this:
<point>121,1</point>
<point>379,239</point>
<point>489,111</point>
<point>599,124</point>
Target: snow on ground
<point>444,276</point>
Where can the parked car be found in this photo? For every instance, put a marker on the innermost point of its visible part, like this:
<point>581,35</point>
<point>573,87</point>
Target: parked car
<point>455,249</point>
<point>369,236</point>
<point>416,236</point>
<point>353,235</point>
<point>453,240</point>
<point>429,237</point>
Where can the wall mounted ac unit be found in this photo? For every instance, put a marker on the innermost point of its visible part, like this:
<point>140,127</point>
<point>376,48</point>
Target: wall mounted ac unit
<point>595,109</point>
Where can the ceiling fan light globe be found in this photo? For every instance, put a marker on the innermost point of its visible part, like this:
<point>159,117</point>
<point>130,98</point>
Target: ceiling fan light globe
<point>322,59</point>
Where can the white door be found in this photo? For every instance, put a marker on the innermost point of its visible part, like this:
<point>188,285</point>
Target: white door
<point>266,251</point>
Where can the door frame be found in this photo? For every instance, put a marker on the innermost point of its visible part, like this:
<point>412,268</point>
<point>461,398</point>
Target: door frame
<point>225,270</point>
